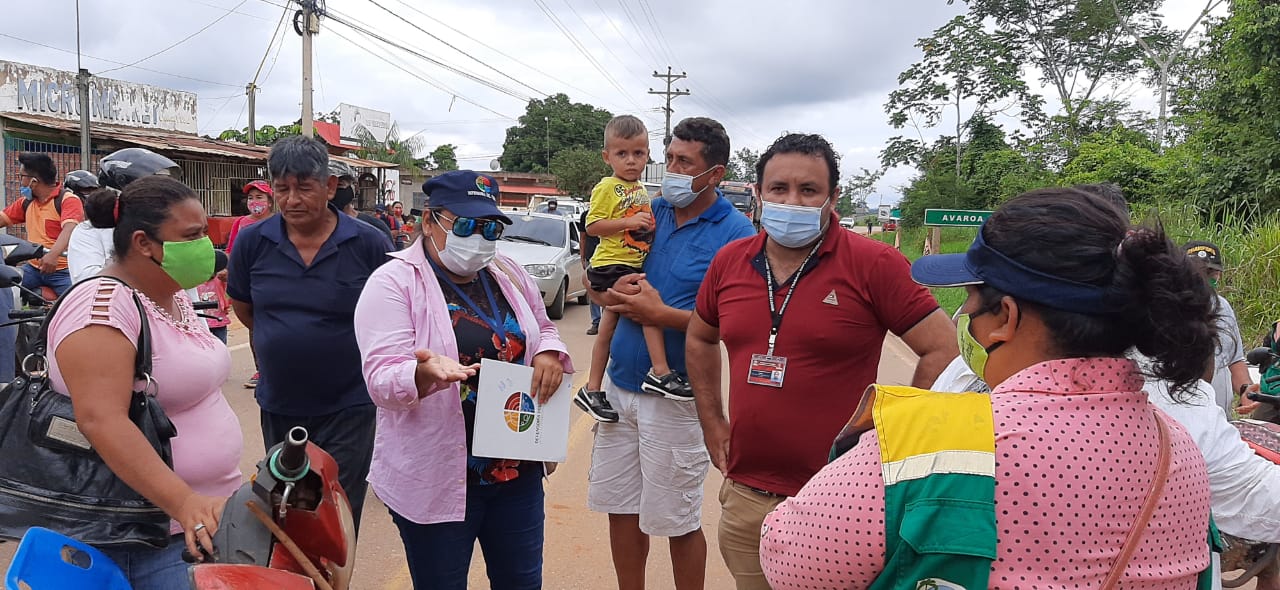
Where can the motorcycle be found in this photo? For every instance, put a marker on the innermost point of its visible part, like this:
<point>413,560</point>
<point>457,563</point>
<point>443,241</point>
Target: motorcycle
<point>1258,560</point>
<point>290,527</point>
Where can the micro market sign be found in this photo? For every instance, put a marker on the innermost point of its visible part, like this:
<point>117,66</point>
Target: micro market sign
<point>955,217</point>
<point>53,93</point>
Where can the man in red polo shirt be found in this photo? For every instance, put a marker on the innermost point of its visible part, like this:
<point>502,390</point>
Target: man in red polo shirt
<point>799,364</point>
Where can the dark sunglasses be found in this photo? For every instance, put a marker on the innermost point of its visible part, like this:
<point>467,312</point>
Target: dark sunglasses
<point>465,227</point>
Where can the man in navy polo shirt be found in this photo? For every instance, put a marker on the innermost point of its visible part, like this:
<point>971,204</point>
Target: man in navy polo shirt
<point>647,469</point>
<point>799,365</point>
<point>294,279</point>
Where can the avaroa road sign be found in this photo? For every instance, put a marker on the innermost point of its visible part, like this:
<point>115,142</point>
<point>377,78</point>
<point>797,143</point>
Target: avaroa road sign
<point>955,217</point>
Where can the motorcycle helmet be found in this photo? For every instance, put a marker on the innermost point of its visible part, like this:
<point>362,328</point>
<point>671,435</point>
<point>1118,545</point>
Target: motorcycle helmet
<point>80,182</point>
<point>119,168</point>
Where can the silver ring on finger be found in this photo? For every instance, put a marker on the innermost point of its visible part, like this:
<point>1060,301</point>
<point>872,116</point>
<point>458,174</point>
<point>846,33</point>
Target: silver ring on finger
<point>199,527</point>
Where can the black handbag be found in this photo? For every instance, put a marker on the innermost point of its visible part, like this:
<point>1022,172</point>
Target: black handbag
<point>51,477</point>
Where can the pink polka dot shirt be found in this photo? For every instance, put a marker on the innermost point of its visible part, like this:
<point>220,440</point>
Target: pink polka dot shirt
<point>1076,449</point>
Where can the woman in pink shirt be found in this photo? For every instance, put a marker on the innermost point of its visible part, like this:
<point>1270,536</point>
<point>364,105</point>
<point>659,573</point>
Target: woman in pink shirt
<point>162,247</point>
<point>260,199</point>
<point>424,322</point>
<point>1059,287</point>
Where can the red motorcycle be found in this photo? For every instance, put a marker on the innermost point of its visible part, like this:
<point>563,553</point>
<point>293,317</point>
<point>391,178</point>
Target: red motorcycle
<point>290,527</point>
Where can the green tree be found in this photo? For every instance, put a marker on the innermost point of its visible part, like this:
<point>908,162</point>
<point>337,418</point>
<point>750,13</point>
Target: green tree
<point>962,64</point>
<point>1232,115</point>
<point>742,166</point>
<point>1078,46</point>
<point>855,191</point>
<point>578,169</point>
<point>444,157</point>
<point>549,126</point>
<point>401,152</point>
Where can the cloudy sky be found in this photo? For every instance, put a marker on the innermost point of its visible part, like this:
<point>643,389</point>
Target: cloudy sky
<point>761,68</point>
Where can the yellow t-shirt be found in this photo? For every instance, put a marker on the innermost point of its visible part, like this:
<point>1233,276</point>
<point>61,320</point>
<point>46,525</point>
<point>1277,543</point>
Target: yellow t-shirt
<point>614,198</point>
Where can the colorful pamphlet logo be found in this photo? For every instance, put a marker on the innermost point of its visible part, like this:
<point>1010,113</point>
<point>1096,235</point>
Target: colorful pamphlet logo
<point>519,412</point>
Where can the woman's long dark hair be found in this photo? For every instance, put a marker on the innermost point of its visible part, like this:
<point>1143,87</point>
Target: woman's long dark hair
<point>1160,304</point>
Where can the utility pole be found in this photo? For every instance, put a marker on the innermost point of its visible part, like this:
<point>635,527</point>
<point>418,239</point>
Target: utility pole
<point>86,145</point>
<point>252,91</point>
<point>310,26</point>
<point>82,86</point>
<point>546,122</point>
<point>670,94</point>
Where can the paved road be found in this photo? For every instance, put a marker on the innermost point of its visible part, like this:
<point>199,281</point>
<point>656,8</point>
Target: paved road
<point>577,547</point>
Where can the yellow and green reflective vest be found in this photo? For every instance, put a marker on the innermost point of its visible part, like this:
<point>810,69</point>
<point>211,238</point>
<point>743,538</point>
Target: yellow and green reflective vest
<point>937,457</point>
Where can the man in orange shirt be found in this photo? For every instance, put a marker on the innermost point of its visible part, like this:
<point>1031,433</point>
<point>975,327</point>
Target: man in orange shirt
<point>50,213</point>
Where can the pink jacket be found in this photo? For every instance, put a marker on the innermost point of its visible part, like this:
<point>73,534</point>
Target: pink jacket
<point>420,451</point>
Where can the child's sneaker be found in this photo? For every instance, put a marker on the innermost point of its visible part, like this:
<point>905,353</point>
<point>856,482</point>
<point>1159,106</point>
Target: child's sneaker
<point>595,404</point>
<point>671,386</point>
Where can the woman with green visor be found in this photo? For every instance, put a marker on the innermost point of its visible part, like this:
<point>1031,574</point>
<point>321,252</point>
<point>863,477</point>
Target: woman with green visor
<point>1065,476</point>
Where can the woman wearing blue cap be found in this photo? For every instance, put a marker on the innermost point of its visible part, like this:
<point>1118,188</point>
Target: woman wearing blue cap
<point>1065,476</point>
<point>424,322</point>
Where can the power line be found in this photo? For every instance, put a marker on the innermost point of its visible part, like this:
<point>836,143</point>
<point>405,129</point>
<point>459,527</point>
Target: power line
<point>279,27</point>
<point>421,77</point>
<point>597,37</point>
<point>639,31</point>
<point>233,11</point>
<point>496,50</point>
<point>503,89</point>
<point>656,30</point>
<point>625,38</point>
<point>111,61</point>
<point>180,42</point>
<point>455,48</point>
<point>583,50</point>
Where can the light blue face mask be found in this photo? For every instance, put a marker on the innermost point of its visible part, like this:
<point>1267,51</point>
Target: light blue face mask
<point>677,189</point>
<point>26,192</point>
<point>792,226</point>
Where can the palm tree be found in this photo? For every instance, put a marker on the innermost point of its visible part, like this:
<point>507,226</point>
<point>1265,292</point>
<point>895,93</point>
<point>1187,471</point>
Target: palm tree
<point>394,150</point>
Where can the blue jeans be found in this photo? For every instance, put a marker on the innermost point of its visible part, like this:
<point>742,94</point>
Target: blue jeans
<point>58,280</point>
<point>507,518</point>
<point>346,435</point>
<point>595,314</point>
<point>153,569</point>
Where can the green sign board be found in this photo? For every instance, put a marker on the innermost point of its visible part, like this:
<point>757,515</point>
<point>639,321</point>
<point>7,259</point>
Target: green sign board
<point>955,217</point>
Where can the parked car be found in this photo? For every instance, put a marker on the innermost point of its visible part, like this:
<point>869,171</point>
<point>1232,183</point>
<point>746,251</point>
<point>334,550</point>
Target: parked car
<point>889,225</point>
<point>565,207</point>
<point>547,246</point>
<point>846,222</point>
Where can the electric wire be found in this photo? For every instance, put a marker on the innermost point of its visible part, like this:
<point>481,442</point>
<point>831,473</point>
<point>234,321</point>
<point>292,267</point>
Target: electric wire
<point>455,48</point>
<point>181,41</point>
<point>550,14</point>
<point>111,61</point>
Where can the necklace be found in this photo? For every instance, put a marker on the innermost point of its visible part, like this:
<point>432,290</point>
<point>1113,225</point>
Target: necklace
<point>184,325</point>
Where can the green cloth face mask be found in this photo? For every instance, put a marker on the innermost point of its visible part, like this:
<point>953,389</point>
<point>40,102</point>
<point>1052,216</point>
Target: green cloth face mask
<point>188,263</point>
<point>1213,283</point>
<point>974,354</point>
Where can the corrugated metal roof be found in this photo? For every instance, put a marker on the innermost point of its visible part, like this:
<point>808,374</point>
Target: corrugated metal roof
<point>168,141</point>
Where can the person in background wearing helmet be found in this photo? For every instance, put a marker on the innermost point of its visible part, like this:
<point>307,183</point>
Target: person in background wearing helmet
<point>1230,374</point>
<point>260,200</point>
<point>345,197</point>
<point>81,182</point>
<point>50,214</point>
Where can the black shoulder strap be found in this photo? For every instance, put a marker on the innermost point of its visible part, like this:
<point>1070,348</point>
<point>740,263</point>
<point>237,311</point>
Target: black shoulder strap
<point>57,203</point>
<point>142,361</point>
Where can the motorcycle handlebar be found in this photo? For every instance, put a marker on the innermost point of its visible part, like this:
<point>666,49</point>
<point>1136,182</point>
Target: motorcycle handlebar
<point>26,314</point>
<point>1259,356</point>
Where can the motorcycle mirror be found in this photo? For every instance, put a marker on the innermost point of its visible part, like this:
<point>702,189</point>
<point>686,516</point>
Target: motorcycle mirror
<point>10,277</point>
<point>1260,357</point>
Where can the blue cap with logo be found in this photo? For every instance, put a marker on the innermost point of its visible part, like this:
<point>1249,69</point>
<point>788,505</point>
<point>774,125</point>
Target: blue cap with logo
<point>465,194</point>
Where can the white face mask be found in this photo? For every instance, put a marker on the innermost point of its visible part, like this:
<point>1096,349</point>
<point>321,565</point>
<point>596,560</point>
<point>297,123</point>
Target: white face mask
<point>465,256</point>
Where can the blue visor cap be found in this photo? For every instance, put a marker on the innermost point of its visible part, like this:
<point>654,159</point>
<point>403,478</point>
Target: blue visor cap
<point>465,194</point>
<point>983,264</point>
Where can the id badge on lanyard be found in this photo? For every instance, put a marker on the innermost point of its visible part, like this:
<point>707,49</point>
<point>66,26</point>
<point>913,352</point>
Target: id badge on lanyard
<point>768,369</point>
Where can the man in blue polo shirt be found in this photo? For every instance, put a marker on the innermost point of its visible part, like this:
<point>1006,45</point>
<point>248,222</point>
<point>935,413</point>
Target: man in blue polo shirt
<point>294,279</point>
<point>648,468</point>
